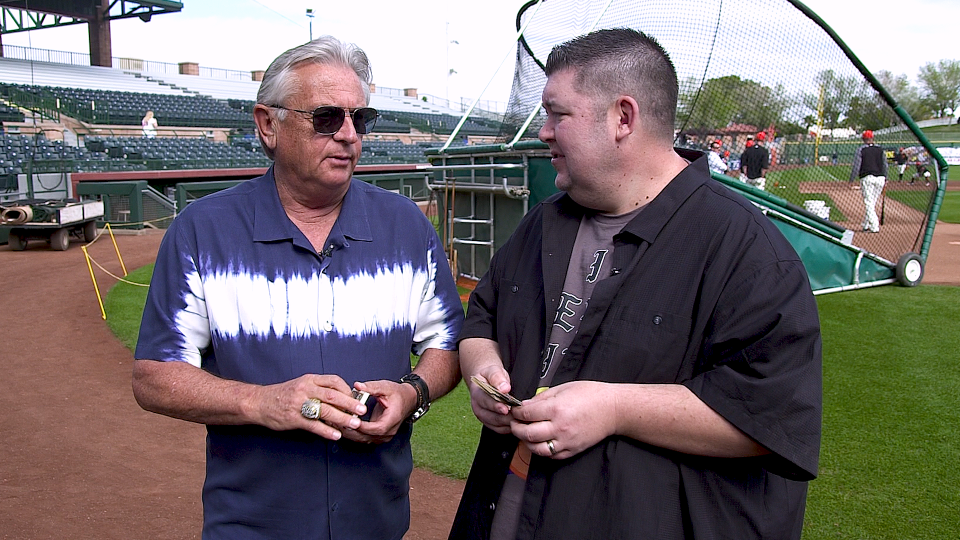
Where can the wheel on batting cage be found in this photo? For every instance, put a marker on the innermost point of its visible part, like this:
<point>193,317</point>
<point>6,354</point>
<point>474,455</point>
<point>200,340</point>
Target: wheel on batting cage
<point>910,269</point>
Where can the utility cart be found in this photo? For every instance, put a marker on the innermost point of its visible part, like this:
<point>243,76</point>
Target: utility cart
<point>52,220</point>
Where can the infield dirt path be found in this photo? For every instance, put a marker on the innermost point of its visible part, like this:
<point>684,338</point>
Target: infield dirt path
<point>80,459</point>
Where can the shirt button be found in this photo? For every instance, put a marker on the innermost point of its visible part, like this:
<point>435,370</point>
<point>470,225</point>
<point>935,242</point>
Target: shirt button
<point>334,448</point>
<point>505,455</point>
<point>493,507</point>
<point>327,326</point>
<point>335,507</point>
<point>657,319</point>
<point>514,288</point>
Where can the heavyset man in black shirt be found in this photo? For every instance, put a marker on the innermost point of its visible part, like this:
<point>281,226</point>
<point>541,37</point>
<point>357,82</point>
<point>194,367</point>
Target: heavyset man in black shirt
<point>658,328</point>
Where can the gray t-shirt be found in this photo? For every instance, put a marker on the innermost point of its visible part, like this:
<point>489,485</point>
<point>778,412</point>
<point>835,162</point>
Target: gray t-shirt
<point>589,263</point>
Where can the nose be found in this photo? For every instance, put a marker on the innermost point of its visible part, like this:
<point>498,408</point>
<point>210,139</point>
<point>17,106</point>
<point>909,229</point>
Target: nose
<point>546,131</point>
<point>347,132</point>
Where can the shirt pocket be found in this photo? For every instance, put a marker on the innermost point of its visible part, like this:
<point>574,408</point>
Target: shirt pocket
<point>642,345</point>
<point>519,311</point>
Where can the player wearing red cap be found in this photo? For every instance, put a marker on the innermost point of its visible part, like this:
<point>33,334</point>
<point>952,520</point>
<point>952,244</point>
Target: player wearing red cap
<point>754,162</point>
<point>714,160</point>
<point>870,166</point>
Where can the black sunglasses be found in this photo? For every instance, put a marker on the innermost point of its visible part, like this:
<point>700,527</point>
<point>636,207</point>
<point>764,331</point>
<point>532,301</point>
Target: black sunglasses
<point>328,119</point>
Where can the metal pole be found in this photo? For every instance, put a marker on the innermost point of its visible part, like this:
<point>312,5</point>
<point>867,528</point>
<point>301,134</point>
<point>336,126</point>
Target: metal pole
<point>510,53</point>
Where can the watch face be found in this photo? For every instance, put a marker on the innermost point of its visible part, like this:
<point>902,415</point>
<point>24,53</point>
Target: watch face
<point>419,412</point>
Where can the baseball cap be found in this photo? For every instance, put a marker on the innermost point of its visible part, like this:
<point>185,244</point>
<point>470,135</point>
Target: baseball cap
<point>868,134</point>
<point>761,136</point>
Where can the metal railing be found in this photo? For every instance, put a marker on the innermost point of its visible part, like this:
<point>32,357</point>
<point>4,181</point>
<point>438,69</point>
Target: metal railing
<point>45,55</point>
<point>156,207</point>
<point>131,64</point>
<point>45,107</point>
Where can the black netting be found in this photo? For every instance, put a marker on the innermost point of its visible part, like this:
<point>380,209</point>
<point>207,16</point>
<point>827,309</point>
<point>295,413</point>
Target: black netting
<point>750,66</point>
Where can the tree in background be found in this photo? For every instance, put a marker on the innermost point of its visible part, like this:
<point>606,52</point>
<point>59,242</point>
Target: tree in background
<point>729,100</point>
<point>836,93</point>
<point>906,94</point>
<point>868,110</point>
<point>941,85</point>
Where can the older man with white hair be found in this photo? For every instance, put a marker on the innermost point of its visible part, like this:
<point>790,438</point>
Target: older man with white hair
<point>275,302</point>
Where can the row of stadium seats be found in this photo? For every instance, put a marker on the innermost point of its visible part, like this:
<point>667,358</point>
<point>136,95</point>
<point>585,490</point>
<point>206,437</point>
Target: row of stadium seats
<point>22,153</point>
<point>128,108</point>
<point>10,114</point>
<point>164,153</point>
<point>29,72</point>
<point>442,124</point>
<point>378,152</point>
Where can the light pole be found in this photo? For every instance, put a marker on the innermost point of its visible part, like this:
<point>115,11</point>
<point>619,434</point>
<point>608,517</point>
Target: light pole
<point>449,70</point>
<point>310,16</point>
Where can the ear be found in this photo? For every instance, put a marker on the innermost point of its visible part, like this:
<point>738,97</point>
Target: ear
<point>266,125</point>
<point>628,116</point>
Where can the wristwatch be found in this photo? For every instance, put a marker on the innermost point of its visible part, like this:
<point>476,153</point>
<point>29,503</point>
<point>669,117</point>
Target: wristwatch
<point>423,395</point>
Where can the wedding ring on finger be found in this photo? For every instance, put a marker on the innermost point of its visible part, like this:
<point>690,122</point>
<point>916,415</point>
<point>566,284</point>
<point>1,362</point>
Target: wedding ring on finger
<point>311,409</point>
<point>551,447</point>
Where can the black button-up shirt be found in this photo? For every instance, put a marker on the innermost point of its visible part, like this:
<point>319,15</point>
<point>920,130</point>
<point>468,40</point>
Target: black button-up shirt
<point>705,292</point>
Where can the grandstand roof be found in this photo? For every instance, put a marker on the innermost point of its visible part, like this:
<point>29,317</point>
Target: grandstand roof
<point>23,15</point>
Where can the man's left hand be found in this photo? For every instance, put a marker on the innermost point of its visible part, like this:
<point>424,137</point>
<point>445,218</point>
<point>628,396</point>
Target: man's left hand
<point>396,402</point>
<point>565,420</point>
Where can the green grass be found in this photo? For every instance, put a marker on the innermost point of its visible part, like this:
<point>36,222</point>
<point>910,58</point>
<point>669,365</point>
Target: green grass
<point>888,467</point>
<point>444,441</point>
<point>124,306</point>
<point>909,198</point>
<point>785,183</point>
<point>950,210</point>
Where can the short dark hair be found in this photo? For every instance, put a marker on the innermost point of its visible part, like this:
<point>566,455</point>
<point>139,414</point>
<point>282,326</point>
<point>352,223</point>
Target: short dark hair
<point>622,61</point>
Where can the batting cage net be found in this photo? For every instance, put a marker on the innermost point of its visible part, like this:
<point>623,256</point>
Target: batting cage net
<point>769,73</point>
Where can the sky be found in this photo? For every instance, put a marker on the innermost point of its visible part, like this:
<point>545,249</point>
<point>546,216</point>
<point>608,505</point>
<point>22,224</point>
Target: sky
<point>416,44</point>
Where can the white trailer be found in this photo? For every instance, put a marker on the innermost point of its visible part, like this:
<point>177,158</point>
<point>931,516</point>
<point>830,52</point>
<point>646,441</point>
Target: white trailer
<point>50,220</point>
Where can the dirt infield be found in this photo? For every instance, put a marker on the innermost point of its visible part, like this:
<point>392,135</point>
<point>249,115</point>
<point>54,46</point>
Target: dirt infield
<point>900,225</point>
<point>82,460</point>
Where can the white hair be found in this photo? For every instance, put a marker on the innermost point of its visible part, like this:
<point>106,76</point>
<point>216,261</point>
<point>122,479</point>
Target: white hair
<point>325,50</point>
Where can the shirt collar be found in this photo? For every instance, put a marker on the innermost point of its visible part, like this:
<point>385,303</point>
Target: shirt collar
<point>648,224</point>
<point>271,223</point>
<point>662,208</point>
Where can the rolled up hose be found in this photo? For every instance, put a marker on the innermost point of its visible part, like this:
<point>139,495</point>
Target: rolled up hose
<point>16,215</point>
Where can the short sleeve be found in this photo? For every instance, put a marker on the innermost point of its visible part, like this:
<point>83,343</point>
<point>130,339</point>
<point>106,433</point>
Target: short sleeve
<point>440,317</point>
<point>762,366</point>
<point>174,325</point>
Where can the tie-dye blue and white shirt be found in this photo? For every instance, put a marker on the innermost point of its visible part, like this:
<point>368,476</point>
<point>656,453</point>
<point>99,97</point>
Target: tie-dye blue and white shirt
<point>239,291</point>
